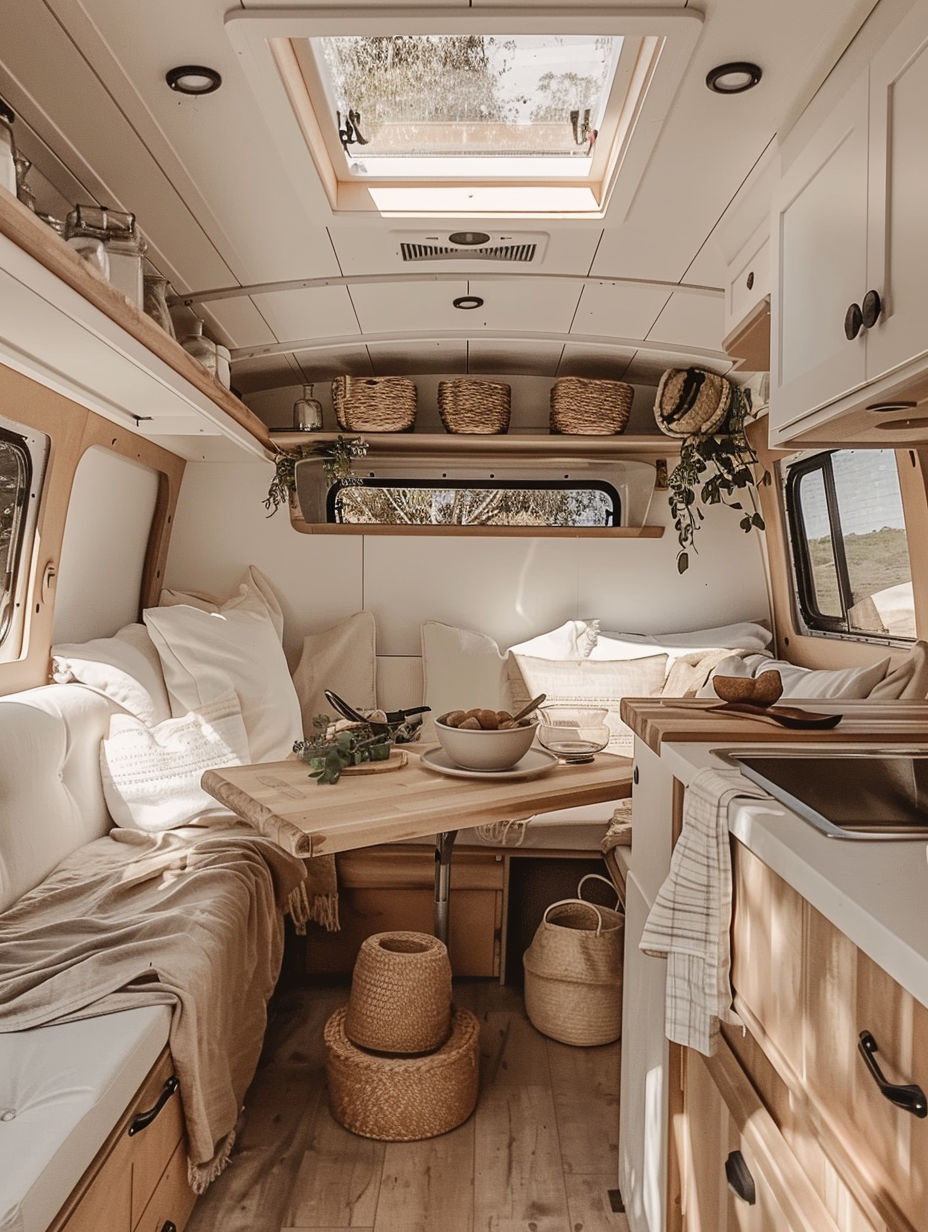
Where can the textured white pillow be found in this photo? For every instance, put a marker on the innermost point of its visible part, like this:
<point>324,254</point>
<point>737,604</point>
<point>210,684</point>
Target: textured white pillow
<point>204,654</point>
<point>122,667</point>
<point>151,775</point>
<point>747,635</point>
<point>847,682</point>
<point>341,659</point>
<point>586,682</point>
<point>254,592</point>
<point>574,639</point>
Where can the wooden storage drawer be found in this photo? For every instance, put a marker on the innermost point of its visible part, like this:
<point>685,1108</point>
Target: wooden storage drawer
<point>119,1185</point>
<point>173,1199</point>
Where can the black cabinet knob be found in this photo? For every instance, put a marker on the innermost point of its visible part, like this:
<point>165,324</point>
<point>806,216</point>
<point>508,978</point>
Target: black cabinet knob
<point>739,1178</point>
<point>853,322</point>
<point>871,308</point>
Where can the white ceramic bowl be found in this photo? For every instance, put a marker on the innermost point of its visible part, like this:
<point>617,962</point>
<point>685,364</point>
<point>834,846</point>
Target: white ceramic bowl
<point>485,750</point>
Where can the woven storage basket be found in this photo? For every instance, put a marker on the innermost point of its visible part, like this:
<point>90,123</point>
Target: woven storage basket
<point>474,406</point>
<point>584,407</point>
<point>573,972</point>
<point>692,402</point>
<point>400,993</point>
<point>374,404</point>
<point>402,1099</point>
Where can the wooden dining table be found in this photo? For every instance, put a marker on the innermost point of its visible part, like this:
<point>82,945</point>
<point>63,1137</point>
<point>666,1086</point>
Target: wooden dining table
<point>405,800</point>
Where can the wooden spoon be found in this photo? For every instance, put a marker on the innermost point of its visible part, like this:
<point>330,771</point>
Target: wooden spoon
<point>532,705</point>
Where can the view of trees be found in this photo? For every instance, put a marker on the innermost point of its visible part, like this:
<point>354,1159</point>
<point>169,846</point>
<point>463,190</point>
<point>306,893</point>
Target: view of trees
<point>402,506</point>
<point>11,483</point>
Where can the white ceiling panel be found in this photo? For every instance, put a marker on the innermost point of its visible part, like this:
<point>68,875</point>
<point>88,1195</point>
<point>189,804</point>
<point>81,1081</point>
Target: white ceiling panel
<point>318,313</point>
<point>264,372</point>
<point>648,367</point>
<point>691,321</point>
<point>326,362</point>
<point>438,355</point>
<point>601,362</point>
<point>413,307</point>
<point>532,304</point>
<point>614,309</point>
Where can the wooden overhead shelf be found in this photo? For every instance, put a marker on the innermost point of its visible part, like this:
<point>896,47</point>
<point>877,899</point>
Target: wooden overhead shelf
<point>653,444</point>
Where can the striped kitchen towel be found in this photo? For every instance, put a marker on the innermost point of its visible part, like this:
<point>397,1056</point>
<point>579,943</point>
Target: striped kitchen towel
<point>690,920</point>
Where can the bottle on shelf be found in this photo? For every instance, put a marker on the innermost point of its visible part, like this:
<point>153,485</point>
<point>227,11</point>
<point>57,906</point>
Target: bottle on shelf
<point>307,412</point>
<point>202,349</point>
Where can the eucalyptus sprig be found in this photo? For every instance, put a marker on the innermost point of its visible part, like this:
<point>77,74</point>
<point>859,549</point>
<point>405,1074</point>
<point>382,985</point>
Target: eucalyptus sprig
<point>329,750</point>
<point>719,468</point>
<point>337,459</point>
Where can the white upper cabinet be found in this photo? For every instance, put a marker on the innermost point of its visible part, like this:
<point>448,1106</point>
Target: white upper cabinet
<point>851,251</point>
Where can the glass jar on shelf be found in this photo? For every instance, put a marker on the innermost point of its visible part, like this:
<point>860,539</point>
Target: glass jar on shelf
<point>201,348</point>
<point>155,302</point>
<point>122,239</point>
<point>307,412</point>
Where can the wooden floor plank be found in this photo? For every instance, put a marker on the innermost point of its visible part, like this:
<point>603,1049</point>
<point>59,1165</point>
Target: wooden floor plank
<point>429,1185</point>
<point>589,1129</point>
<point>338,1180</point>
<point>512,1052</point>
<point>518,1178</point>
<point>588,1203</point>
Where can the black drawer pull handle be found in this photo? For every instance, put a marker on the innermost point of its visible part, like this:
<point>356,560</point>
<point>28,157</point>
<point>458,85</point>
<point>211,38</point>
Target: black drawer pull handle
<point>144,1119</point>
<point>169,1226</point>
<point>908,1096</point>
<point>739,1178</point>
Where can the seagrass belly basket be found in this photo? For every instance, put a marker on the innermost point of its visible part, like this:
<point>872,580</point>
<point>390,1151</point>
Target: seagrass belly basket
<point>401,1060</point>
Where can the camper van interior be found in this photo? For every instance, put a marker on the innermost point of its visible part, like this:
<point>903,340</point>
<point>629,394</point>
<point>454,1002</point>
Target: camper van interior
<point>463,704</point>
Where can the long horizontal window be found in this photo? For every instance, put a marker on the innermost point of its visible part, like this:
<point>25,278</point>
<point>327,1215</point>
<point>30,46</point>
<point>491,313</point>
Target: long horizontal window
<point>408,502</point>
<point>850,552</point>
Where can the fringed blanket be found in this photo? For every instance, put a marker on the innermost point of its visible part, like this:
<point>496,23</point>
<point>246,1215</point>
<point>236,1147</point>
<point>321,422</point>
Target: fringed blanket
<point>191,918</point>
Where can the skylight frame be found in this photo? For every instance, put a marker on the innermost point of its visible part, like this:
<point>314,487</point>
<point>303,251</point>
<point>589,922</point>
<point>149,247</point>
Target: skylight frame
<point>666,38</point>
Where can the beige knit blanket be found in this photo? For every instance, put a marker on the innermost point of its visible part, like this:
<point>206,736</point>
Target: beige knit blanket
<point>191,918</point>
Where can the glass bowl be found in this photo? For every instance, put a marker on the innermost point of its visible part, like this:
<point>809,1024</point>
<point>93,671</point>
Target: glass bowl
<point>572,733</point>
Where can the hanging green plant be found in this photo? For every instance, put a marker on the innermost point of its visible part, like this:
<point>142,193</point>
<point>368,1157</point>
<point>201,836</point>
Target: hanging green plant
<point>337,459</point>
<point>333,747</point>
<point>717,461</point>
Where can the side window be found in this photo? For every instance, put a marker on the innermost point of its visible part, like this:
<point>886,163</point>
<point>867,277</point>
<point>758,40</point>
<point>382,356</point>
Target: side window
<point>22,465</point>
<point>850,554</point>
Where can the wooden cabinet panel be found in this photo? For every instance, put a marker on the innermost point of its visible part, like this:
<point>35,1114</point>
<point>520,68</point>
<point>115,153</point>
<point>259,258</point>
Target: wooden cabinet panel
<point>172,1200</point>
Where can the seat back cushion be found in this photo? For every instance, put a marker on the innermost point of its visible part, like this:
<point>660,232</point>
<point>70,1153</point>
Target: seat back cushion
<point>50,786</point>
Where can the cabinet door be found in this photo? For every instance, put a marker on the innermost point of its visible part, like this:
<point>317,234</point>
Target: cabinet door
<point>897,251</point>
<point>820,255</point>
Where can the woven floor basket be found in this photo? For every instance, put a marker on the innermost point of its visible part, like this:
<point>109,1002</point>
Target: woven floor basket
<point>374,404</point>
<point>585,407</point>
<point>573,973</point>
<point>474,406</point>
<point>403,1099</point>
<point>400,993</point>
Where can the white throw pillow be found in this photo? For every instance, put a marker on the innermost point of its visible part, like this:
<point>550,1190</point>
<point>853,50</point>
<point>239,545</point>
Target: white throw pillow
<point>586,682</point>
<point>342,659</point>
<point>124,667</point>
<point>151,775</point>
<point>574,639</point>
<point>204,654</point>
<point>254,592</point>
<point>847,682</point>
<point>748,635</point>
<point>460,669</point>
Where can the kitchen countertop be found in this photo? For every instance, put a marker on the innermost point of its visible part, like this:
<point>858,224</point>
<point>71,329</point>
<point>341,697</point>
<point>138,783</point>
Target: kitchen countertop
<point>876,893</point>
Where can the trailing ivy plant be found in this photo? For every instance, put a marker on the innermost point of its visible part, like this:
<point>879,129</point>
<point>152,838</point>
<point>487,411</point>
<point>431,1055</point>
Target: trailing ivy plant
<point>337,459</point>
<point>715,469</point>
<point>328,751</point>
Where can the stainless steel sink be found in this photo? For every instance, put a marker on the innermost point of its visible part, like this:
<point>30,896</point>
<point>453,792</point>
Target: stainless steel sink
<point>873,795</point>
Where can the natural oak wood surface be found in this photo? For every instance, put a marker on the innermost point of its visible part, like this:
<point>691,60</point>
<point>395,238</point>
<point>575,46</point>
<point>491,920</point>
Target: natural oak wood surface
<point>539,1152</point>
<point>656,720</point>
<point>280,800</point>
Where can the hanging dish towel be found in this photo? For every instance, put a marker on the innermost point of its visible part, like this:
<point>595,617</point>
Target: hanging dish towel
<point>691,916</point>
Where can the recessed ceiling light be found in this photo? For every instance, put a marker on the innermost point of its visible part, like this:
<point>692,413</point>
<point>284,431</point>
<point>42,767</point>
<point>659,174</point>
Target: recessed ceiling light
<point>193,79</point>
<point>467,301</point>
<point>733,78</point>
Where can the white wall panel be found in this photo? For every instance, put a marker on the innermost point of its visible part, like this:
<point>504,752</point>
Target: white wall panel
<point>617,310</point>
<point>109,520</point>
<point>316,313</point>
<point>691,320</point>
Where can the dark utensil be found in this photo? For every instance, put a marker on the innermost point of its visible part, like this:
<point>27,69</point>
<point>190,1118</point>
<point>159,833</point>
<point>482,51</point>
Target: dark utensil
<point>786,716</point>
<point>395,718</point>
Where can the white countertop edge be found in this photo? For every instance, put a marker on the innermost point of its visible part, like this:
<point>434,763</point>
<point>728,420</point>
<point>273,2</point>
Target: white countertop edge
<point>876,893</point>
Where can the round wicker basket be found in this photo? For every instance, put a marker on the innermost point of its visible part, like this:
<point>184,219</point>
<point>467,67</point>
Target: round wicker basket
<point>692,402</point>
<point>480,407</point>
<point>400,993</point>
<point>374,404</point>
<point>584,407</point>
<point>402,1099</point>
<point>573,974</point>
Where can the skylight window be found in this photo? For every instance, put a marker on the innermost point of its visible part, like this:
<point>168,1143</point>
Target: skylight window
<point>468,111</point>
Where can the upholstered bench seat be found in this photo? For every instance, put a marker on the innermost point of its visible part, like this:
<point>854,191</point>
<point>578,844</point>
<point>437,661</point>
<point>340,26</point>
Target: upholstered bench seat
<point>62,1089</point>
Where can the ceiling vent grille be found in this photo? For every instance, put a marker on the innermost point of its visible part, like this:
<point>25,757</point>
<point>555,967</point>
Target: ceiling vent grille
<point>437,252</point>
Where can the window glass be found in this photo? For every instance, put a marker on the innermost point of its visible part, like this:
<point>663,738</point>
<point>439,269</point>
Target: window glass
<point>849,543</point>
<point>474,503</point>
<point>17,519</point>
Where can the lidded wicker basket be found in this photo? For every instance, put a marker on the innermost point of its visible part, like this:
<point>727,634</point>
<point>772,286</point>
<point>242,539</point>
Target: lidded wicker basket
<point>573,972</point>
<point>400,993</point>
<point>586,407</point>
<point>470,406</point>
<point>403,1099</point>
<point>374,404</point>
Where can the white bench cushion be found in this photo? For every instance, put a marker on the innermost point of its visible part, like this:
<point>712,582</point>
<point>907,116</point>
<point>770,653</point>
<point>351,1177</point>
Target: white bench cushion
<point>62,1089</point>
